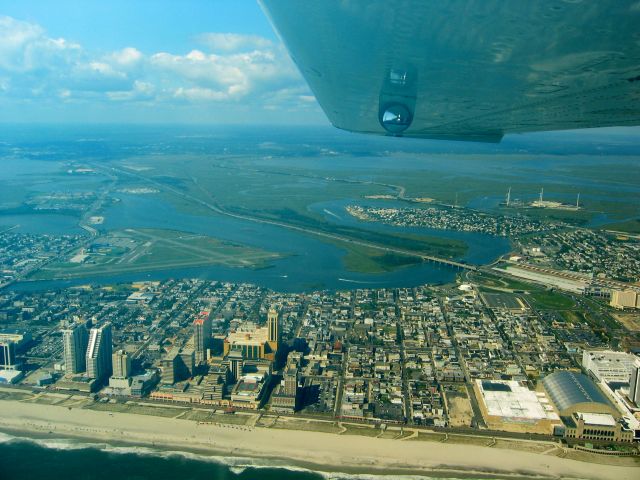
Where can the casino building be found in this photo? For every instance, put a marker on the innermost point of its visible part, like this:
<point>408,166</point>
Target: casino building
<point>255,342</point>
<point>585,411</point>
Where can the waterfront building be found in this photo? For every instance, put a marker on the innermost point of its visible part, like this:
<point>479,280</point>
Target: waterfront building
<point>597,426</point>
<point>215,384</point>
<point>75,339</point>
<point>201,336</point>
<point>169,366</point>
<point>121,364</point>
<point>585,411</point>
<point>99,351</point>
<point>80,383</point>
<point>173,369</point>
<point>511,406</point>
<point>573,392</point>
<point>177,365</point>
<point>142,384</point>
<point>7,355</point>
<point>291,381</point>
<point>251,385</point>
<point>236,363</point>
<point>285,395</point>
<point>255,342</point>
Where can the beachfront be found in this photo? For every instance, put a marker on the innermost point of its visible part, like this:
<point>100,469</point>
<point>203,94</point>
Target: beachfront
<point>324,451</point>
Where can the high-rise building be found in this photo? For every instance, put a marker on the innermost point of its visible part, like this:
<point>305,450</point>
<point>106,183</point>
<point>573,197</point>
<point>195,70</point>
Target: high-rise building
<point>291,381</point>
<point>255,342</point>
<point>272,326</point>
<point>177,365</point>
<point>235,364</point>
<point>625,299</point>
<point>285,395</point>
<point>99,350</point>
<point>188,361</point>
<point>121,364</point>
<point>634,384</point>
<point>19,337</point>
<point>201,336</point>
<point>170,367</point>
<point>215,383</point>
<point>7,355</point>
<point>75,339</point>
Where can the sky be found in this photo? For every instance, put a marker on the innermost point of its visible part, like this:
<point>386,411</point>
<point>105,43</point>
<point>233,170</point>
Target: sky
<point>150,61</point>
<point>147,61</point>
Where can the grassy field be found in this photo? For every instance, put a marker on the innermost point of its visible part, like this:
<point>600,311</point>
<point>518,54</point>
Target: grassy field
<point>139,250</point>
<point>370,260</point>
<point>536,295</point>
<point>550,300</point>
<point>368,431</point>
<point>306,425</point>
<point>137,409</point>
<point>572,316</point>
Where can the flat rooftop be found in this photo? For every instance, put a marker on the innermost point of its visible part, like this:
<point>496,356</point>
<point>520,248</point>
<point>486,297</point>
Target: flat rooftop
<point>255,337</point>
<point>602,419</point>
<point>511,400</point>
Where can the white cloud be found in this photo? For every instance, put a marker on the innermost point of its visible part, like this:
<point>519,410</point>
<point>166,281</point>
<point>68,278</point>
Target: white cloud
<point>24,47</point>
<point>227,77</point>
<point>198,94</point>
<point>103,69</point>
<point>229,69</point>
<point>127,57</point>
<point>140,91</point>
<point>204,70</point>
<point>233,42</point>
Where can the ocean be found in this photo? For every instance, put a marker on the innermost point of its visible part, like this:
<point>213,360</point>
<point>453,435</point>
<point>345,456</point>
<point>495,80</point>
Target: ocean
<point>66,459</point>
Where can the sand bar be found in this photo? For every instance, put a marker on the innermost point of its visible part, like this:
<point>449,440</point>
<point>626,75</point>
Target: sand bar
<point>325,450</point>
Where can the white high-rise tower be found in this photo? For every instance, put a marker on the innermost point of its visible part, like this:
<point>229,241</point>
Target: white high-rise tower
<point>99,352</point>
<point>75,339</point>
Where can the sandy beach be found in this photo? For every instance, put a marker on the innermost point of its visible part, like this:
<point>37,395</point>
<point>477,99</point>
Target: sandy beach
<point>325,451</point>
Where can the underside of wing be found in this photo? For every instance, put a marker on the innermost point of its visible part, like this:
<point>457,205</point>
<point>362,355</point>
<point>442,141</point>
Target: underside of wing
<point>466,69</point>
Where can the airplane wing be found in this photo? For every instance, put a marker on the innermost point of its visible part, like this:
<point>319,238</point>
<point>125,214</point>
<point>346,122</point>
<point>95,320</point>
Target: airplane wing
<point>466,69</point>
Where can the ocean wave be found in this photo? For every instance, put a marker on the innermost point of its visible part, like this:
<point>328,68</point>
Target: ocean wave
<point>52,443</point>
<point>236,465</point>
